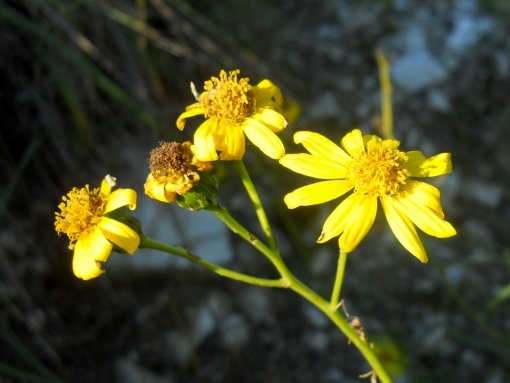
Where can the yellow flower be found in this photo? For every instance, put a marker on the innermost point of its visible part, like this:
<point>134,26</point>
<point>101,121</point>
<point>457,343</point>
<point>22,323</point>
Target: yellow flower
<point>83,218</point>
<point>173,171</point>
<point>233,109</point>
<point>374,169</point>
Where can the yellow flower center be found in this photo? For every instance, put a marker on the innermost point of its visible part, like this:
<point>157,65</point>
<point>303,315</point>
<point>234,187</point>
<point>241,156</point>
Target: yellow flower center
<point>379,170</point>
<point>79,213</point>
<point>227,98</point>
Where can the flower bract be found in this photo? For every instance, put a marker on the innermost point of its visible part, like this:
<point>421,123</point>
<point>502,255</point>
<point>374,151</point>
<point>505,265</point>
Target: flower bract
<point>83,217</point>
<point>371,169</point>
<point>234,109</point>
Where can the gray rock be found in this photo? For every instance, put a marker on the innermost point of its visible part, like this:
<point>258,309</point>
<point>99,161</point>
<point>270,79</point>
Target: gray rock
<point>417,70</point>
<point>128,371</point>
<point>235,331</point>
<point>486,193</point>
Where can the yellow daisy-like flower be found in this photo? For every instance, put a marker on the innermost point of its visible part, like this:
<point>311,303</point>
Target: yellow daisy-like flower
<point>233,109</point>
<point>173,171</point>
<point>83,219</point>
<point>374,169</point>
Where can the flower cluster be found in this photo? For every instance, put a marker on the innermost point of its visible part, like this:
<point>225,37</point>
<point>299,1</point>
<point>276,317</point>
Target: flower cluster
<point>372,170</point>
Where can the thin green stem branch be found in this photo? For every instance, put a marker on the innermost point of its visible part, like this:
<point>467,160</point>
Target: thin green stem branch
<point>236,227</point>
<point>150,243</point>
<point>300,288</point>
<point>339,278</point>
<point>255,199</point>
<point>335,316</point>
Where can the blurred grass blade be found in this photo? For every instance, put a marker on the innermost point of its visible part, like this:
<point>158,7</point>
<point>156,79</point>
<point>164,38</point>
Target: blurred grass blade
<point>34,31</point>
<point>28,155</point>
<point>7,370</point>
<point>502,296</point>
<point>386,90</point>
<point>20,348</point>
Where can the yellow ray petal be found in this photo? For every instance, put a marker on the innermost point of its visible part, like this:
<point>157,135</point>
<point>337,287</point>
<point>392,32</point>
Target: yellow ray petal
<point>84,264</point>
<point>267,94</point>
<point>204,141</point>
<point>263,138</point>
<point>352,143</point>
<point>317,193</point>
<point>271,118</point>
<point>314,166</point>
<point>191,111</point>
<point>403,228</point>
<point>234,145</point>
<point>344,215</point>
<point>420,166</point>
<point>319,145</point>
<point>159,190</point>
<point>425,218</point>
<point>426,194</point>
<point>119,234</point>
<point>358,222</point>
<point>120,198</point>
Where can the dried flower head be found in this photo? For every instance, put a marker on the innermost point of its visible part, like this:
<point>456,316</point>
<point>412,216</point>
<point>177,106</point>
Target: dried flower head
<point>174,170</point>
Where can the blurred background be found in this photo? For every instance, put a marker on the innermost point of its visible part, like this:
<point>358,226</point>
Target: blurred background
<point>89,87</point>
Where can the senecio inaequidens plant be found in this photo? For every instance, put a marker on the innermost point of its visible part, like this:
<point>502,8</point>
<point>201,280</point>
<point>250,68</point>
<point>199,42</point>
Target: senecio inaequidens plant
<point>366,167</point>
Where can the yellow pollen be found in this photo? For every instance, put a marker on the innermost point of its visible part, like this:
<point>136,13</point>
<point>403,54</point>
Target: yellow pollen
<point>379,171</point>
<point>79,213</point>
<point>227,98</point>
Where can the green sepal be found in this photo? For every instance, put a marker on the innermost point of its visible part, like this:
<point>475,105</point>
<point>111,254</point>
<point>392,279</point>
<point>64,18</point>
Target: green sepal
<point>202,195</point>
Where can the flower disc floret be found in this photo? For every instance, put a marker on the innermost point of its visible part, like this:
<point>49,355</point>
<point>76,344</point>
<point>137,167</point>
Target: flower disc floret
<point>79,214</point>
<point>228,99</point>
<point>379,171</point>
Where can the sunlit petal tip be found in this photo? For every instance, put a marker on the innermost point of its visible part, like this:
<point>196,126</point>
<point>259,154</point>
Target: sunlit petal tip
<point>120,234</point>
<point>271,118</point>
<point>84,264</point>
<point>420,166</point>
<point>120,198</point>
<point>191,111</point>
<point>291,201</point>
<point>322,237</point>
<point>353,143</point>
<point>263,138</point>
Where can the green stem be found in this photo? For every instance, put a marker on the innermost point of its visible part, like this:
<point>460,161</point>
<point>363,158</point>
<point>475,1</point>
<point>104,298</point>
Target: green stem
<point>240,230</point>
<point>149,243</point>
<point>255,199</point>
<point>339,278</point>
<point>343,325</point>
<point>386,90</point>
<point>290,281</point>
